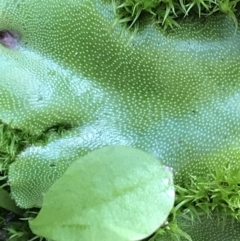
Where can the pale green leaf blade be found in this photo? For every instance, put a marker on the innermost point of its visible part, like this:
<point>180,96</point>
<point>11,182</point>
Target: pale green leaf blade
<point>113,193</point>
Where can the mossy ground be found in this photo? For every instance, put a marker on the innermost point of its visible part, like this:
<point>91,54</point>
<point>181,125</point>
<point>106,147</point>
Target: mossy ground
<point>167,13</point>
<point>217,192</point>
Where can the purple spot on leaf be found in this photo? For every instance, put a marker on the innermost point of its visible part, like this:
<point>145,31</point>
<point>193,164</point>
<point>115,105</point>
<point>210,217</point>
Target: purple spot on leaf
<point>8,39</point>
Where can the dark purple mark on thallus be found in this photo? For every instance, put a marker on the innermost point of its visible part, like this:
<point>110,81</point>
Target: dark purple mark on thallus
<point>8,39</point>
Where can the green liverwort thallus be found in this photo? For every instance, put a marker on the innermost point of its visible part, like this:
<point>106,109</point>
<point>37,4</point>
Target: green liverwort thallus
<point>173,94</point>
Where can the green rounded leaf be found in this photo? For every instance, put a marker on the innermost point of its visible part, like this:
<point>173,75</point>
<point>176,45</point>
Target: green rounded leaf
<point>113,193</point>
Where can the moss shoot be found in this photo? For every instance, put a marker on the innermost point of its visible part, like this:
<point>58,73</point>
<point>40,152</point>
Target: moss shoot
<point>167,13</point>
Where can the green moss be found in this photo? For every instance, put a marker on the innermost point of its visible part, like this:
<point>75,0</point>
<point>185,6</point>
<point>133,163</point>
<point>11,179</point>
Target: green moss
<point>168,13</point>
<point>211,202</point>
<point>13,141</point>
